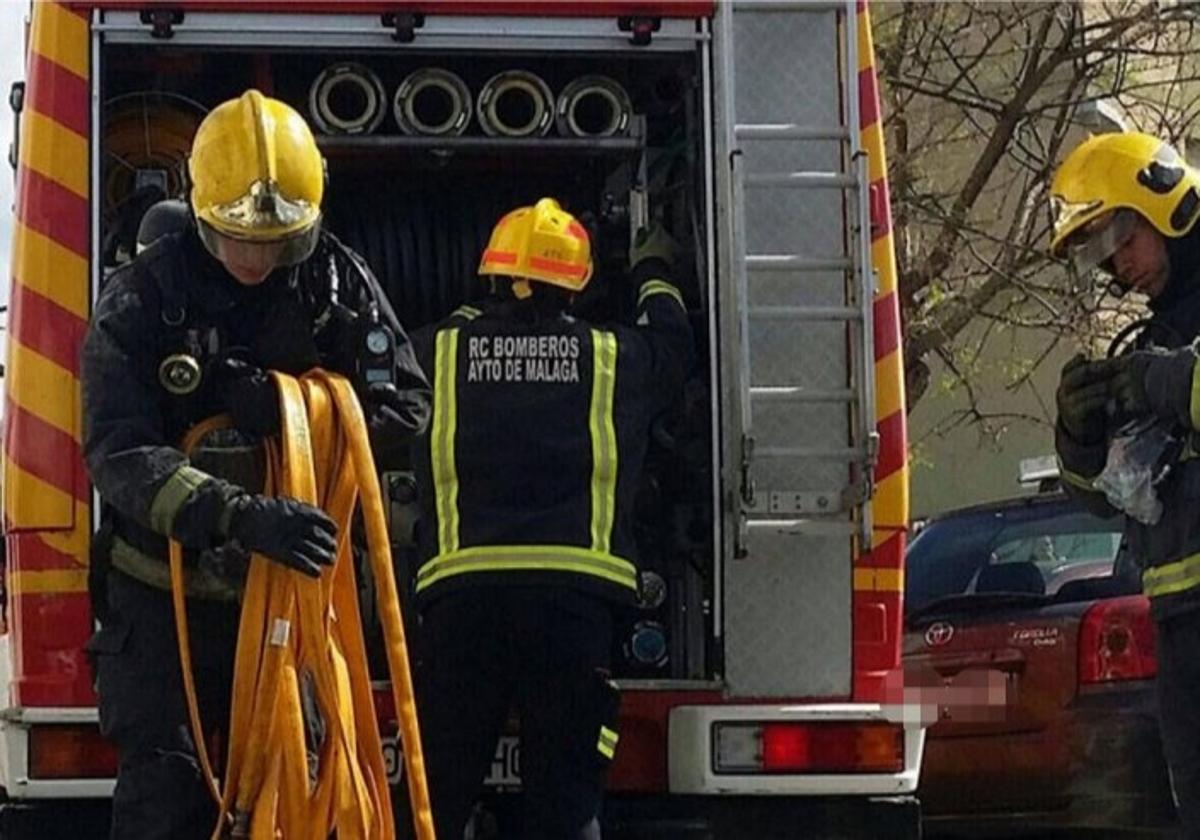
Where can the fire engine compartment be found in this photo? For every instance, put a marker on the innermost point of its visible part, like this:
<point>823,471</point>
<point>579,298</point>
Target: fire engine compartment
<point>419,208</point>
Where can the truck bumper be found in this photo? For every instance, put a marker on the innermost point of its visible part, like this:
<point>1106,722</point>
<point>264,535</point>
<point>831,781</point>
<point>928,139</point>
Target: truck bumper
<point>761,817</point>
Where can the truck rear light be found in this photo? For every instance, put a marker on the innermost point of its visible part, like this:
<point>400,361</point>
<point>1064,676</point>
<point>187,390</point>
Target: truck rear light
<point>1116,641</point>
<point>70,752</point>
<point>869,747</point>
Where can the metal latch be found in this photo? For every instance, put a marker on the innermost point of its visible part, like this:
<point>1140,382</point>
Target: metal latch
<point>162,22</point>
<point>16,101</point>
<point>862,485</point>
<point>404,25</point>
<point>747,478</point>
<point>641,29</point>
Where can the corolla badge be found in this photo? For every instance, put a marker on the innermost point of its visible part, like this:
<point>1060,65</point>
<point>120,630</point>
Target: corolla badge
<point>939,633</point>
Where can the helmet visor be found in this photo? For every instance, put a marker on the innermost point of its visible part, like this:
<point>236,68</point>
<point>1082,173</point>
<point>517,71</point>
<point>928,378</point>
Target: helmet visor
<point>259,257</point>
<point>263,211</point>
<point>1094,244</point>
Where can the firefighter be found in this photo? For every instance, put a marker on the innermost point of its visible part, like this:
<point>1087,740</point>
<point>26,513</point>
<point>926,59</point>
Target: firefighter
<point>527,480</point>
<point>1128,204</point>
<point>185,331</point>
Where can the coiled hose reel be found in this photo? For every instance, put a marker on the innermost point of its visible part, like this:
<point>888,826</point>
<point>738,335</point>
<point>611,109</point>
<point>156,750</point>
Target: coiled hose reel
<point>593,106</point>
<point>433,102</point>
<point>347,98</point>
<point>515,103</point>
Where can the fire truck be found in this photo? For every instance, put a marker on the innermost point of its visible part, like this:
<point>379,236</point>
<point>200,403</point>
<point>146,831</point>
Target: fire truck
<point>760,671</point>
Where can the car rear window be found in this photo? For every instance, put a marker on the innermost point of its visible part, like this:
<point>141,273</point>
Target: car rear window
<point>1052,549</point>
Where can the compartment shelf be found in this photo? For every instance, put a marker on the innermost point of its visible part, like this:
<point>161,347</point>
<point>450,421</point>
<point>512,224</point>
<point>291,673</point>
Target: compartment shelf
<point>631,144</point>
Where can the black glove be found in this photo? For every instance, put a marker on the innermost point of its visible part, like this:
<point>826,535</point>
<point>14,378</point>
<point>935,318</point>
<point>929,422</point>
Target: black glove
<point>287,531</point>
<point>1128,384</point>
<point>1082,399</point>
<point>250,397</point>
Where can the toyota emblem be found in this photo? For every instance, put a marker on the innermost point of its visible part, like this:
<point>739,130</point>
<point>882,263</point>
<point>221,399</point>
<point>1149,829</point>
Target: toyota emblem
<point>939,633</point>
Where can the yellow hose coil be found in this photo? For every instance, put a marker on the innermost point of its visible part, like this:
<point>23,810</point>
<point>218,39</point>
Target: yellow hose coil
<point>296,629</point>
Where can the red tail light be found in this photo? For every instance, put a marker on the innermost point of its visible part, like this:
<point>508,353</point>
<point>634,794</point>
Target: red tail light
<point>867,747</point>
<point>1116,641</point>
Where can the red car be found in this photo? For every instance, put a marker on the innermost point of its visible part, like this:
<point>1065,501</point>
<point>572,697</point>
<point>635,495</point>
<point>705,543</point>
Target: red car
<point>1028,640</point>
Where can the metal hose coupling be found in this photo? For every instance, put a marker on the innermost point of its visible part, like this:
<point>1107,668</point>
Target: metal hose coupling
<point>593,106</point>
<point>347,98</point>
<point>515,103</point>
<point>432,102</point>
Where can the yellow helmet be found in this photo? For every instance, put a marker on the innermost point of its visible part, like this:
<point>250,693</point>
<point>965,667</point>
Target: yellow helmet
<point>1129,171</point>
<point>543,243</point>
<point>257,176</point>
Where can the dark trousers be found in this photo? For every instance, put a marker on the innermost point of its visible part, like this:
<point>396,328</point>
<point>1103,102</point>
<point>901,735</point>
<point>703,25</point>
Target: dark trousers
<point>544,651</point>
<point>160,789</point>
<point>1179,713</point>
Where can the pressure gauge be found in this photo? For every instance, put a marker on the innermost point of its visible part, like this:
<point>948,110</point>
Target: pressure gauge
<point>378,341</point>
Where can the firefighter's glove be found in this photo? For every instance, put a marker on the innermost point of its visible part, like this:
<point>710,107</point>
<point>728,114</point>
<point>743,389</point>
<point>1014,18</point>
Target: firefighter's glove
<point>1082,399</point>
<point>653,243</point>
<point>288,531</point>
<point>1127,386</point>
<point>1158,383</point>
<point>251,398</point>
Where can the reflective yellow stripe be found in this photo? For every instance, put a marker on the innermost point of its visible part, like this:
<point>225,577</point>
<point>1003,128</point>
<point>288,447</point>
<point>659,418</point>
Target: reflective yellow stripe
<point>55,152</point>
<point>61,36</point>
<point>1194,403</point>
<point>1172,578</point>
<point>45,390</point>
<point>49,582</point>
<point>607,744</point>
<point>658,287</point>
<point>604,439</point>
<point>468,312</point>
<point>878,580</point>
<point>171,495</point>
<point>441,439</point>
<point>528,558</point>
<point>54,272</point>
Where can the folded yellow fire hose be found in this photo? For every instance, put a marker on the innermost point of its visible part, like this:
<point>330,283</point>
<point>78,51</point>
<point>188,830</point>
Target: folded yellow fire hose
<point>301,640</point>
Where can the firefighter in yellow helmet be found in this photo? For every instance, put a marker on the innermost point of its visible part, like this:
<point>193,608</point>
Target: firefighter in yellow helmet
<point>527,478</point>
<point>187,330</point>
<point>1126,205</point>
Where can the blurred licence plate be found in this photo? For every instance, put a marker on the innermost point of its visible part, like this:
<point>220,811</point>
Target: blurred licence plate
<point>505,771</point>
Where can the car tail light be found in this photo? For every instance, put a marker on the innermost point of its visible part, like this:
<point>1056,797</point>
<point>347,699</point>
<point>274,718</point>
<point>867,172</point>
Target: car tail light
<point>70,752</point>
<point>868,747</point>
<point>1116,641</point>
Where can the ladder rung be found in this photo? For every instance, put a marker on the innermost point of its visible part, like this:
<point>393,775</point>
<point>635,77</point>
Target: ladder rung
<point>791,394</point>
<point>806,313</point>
<point>802,180</point>
<point>790,131</point>
<point>795,262</point>
<point>813,453</point>
<point>815,527</point>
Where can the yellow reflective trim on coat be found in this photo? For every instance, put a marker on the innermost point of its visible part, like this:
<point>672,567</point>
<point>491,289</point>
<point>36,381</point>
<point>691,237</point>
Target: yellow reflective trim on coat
<point>1194,403</point>
<point>1172,578</point>
<point>659,287</point>
<point>528,558</point>
<point>607,743</point>
<point>443,429</point>
<point>1075,479</point>
<point>604,439</point>
<point>171,496</point>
